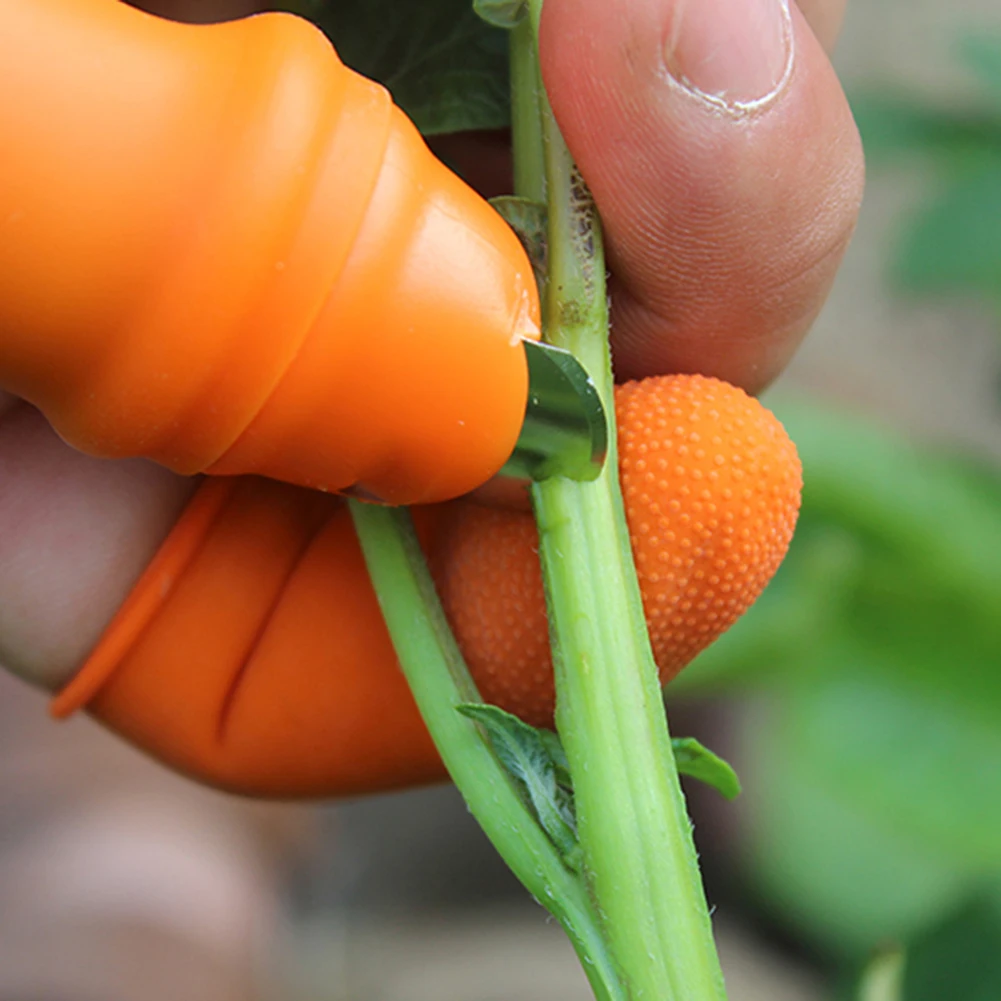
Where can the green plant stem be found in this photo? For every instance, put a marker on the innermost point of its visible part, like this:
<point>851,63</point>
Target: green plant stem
<point>634,829</point>
<point>526,114</point>
<point>439,680</point>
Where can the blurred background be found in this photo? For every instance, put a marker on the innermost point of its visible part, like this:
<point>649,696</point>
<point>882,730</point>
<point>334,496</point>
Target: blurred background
<point>860,700</point>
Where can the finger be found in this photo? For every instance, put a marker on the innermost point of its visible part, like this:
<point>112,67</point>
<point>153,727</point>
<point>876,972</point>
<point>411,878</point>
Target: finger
<point>726,167</point>
<point>824,17</point>
<point>75,533</point>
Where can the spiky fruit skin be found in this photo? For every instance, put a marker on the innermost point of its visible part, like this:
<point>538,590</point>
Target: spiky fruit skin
<point>711,484</point>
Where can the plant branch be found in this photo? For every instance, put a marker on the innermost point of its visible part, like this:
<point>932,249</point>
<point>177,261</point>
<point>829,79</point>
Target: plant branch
<point>438,677</point>
<point>633,826</point>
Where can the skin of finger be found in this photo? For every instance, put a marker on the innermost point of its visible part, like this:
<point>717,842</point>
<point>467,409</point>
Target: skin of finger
<point>75,533</point>
<point>724,229</point>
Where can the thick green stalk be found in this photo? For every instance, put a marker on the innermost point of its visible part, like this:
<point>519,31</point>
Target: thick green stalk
<point>634,829</point>
<point>526,114</point>
<point>439,680</point>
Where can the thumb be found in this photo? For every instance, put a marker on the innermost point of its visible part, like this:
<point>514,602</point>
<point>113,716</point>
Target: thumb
<point>727,168</point>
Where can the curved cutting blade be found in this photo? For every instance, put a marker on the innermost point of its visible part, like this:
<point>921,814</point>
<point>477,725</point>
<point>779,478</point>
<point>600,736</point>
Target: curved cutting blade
<point>565,431</point>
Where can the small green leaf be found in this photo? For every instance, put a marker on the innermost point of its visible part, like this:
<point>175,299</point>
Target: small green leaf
<point>558,756</point>
<point>691,758</point>
<point>700,763</point>
<point>501,13</point>
<point>527,756</point>
<point>445,67</point>
<point>529,220</point>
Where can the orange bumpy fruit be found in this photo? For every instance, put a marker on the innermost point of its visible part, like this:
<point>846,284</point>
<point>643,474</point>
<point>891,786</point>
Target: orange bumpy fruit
<point>712,489</point>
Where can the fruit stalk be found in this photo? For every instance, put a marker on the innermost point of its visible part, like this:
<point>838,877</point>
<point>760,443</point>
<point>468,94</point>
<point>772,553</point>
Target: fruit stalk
<point>634,831</point>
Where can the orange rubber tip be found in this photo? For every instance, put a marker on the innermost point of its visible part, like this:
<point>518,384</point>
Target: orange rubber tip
<point>225,251</point>
<point>252,654</point>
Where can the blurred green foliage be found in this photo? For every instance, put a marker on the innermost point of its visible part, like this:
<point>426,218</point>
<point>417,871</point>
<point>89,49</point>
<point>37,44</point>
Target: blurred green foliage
<point>872,755</point>
<point>959,958</point>
<point>953,241</point>
<point>872,761</point>
<point>955,958</point>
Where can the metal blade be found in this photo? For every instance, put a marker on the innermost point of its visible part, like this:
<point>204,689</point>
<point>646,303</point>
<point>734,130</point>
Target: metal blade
<point>565,432</point>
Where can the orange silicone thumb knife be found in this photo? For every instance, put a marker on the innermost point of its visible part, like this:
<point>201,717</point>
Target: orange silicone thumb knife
<point>225,251</point>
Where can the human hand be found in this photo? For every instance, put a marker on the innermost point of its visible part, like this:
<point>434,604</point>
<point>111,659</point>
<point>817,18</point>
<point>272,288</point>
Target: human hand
<point>725,226</point>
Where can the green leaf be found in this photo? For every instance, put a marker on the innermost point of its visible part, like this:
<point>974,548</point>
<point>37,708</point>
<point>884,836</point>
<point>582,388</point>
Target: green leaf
<point>690,757</point>
<point>528,757</point>
<point>700,763</point>
<point>445,66</point>
<point>955,242</point>
<point>917,511</point>
<point>895,125</point>
<point>536,756</point>
<point>558,756</point>
<point>959,958</point>
<point>502,13</point>
<point>874,806</point>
